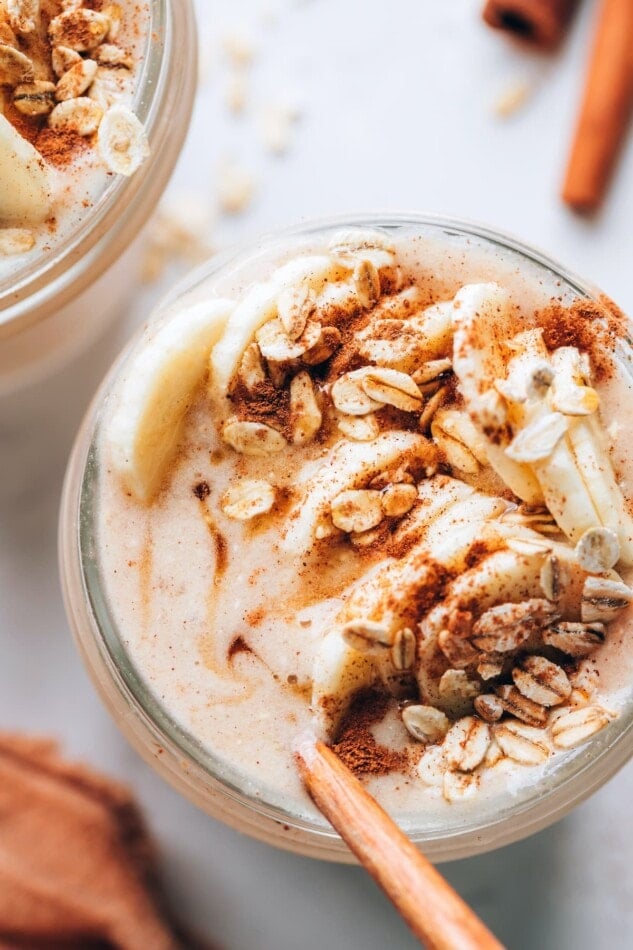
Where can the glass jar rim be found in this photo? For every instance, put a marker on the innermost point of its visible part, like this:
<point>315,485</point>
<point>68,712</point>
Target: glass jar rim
<point>97,240</point>
<point>575,777</point>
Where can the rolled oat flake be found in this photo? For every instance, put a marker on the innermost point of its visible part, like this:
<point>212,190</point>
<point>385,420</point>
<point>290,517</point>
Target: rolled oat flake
<point>122,141</point>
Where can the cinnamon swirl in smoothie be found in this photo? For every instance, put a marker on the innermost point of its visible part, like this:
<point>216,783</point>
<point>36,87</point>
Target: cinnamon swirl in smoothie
<point>378,485</point>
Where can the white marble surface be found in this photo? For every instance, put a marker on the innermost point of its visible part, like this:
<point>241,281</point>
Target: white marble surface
<point>396,103</point>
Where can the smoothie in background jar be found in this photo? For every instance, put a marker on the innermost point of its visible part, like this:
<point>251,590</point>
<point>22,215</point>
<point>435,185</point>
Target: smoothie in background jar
<point>371,481</point>
<point>95,104</point>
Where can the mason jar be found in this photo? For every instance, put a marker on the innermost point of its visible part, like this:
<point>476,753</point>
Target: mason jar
<point>214,784</point>
<point>53,305</point>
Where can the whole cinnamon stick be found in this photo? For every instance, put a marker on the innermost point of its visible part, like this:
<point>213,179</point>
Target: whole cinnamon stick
<point>430,906</point>
<point>605,110</point>
<point>541,22</point>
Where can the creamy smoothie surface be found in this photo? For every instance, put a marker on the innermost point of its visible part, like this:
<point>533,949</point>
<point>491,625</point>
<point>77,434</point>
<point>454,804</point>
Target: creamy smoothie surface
<point>68,72</point>
<point>379,486</point>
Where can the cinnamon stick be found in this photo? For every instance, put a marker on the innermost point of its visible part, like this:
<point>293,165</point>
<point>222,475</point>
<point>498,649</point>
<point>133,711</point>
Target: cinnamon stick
<point>541,22</point>
<point>436,914</point>
<point>605,110</point>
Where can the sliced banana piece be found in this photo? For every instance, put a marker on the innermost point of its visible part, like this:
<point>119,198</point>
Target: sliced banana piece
<point>481,313</point>
<point>349,465</point>
<point>451,534</point>
<point>435,325</point>
<point>435,495</point>
<point>455,528</point>
<point>339,671</point>
<point>552,460</point>
<point>565,491</point>
<point>25,190</point>
<point>559,434</point>
<point>570,392</point>
<point>260,305</point>
<point>161,379</point>
<point>519,478</point>
<point>501,577</point>
<point>588,445</point>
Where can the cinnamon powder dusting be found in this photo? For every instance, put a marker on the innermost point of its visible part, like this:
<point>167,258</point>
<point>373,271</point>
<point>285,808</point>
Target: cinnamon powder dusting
<point>60,147</point>
<point>356,746</point>
<point>238,645</point>
<point>264,402</point>
<point>588,325</point>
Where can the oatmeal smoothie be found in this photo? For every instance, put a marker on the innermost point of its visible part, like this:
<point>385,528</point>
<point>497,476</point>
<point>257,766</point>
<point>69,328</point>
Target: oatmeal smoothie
<point>68,72</point>
<point>377,486</point>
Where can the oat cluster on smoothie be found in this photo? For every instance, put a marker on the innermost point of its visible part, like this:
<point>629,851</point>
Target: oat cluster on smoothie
<point>341,495</point>
<point>67,75</point>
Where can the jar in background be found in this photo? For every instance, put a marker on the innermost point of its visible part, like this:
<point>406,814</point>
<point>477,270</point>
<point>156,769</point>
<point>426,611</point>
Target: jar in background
<point>53,307</point>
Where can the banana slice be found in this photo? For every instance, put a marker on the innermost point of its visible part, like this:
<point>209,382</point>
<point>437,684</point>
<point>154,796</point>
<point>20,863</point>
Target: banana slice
<point>161,381</point>
<point>450,536</point>
<point>260,305</point>
<point>517,476</point>
<point>349,465</point>
<point>538,568</point>
<point>588,445</point>
<point>570,392</point>
<point>444,540</point>
<point>339,671</point>
<point>25,192</point>
<point>435,325</point>
<point>565,491</point>
<point>435,495</point>
<point>501,577</point>
<point>529,373</point>
<point>481,313</point>
<point>535,387</point>
<point>514,575</point>
<point>554,413</point>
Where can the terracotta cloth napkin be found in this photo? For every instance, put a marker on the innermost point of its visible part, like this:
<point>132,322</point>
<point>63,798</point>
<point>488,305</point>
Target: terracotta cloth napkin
<point>77,867</point>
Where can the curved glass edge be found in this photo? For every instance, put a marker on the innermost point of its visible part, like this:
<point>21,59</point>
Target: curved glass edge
<point>22,301</point>
<point>573,779</point>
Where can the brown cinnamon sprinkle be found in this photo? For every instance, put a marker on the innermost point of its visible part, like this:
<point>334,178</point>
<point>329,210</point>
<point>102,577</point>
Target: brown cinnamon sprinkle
<point>429,593</point>
<point>238,645</point>
<point>201,490</point>
<point>77,30</point>
<point>254,617</point>
<point>263,403</point>
<point>390,418</point>
<point>479,550</point>
<point>591,326</point>
<point>28,127</point>
<point>59,147</point>
<point>356,746</point>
